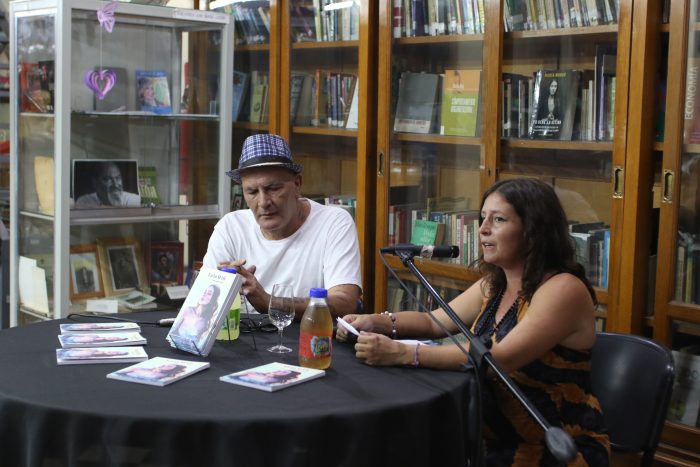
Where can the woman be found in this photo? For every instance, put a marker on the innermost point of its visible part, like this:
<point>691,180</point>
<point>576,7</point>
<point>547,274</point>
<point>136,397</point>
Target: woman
<point>193,320</point>
<point>537,307</point>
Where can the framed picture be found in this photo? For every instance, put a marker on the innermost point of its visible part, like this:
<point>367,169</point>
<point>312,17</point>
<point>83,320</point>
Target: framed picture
<point>165,262</point>
<point>86,281</point>
<point>101,183</point>
<point>121,263</point>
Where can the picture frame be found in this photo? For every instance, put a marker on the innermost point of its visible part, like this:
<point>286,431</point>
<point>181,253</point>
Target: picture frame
<point>121,264</point>
<point>93,183</point>
<point>165,262</point>
<point>85,272</point>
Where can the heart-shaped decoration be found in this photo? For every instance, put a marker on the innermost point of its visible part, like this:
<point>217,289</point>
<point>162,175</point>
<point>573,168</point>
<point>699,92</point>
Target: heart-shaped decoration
<point>100,82</point>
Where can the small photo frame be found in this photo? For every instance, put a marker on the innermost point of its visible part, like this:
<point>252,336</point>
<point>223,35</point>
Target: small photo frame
<point>100,183</point>
<point>121,263</point>
<point>85,273</point>
<point>165,263</point>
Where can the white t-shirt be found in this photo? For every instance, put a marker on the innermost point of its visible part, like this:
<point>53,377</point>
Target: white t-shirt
<point>324,252</point>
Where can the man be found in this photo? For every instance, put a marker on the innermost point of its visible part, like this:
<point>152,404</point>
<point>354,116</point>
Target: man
<point>109,189</point>
<point>284,238</point>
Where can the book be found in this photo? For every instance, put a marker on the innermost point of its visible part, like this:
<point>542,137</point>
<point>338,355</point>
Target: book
<point>91,328</point>
<point>101,339</point>
<point>460,102</point>
<point>148,185</point>
<point>417,102</point>
<point>88,355</point>
<point>427,232</point>
<point>204,310</point>
<point>136,300</point>
<point>153,91</point>
<point>240,89</point>
<point>691,109</point>
<point>554,103</point>
<point>158,371</point>
<point>273,376</point>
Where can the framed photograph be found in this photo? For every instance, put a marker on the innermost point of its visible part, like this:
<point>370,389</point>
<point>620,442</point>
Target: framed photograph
<point>121,263</point>
<point>165,262</point>
<point>98,183</point>
<point>86,281</point>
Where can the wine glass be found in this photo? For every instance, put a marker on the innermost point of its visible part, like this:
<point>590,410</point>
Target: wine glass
<point>281,312</point>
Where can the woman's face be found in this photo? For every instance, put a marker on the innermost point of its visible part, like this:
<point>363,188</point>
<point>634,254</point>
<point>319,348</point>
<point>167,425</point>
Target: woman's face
<point>501,233</point>
<point>206,296</point>
<point>553,87</point>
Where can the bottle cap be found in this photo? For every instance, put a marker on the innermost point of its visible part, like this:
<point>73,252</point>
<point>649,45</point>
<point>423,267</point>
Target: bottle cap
<point>318,292</point>
<point>231,270</point>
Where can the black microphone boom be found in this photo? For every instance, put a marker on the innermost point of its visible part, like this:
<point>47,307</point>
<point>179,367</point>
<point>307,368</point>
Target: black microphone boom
<point>424,251</point>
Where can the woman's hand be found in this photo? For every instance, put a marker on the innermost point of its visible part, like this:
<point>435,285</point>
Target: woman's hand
<point>359,322</point>
<point>376,349</point>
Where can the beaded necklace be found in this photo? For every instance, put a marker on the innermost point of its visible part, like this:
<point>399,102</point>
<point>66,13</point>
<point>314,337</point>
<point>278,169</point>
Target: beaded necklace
<point>488,323</point>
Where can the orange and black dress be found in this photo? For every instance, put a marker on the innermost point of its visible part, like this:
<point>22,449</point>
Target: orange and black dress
<point>558,384</point>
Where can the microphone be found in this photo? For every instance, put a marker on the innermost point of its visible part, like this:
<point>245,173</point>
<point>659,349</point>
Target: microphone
<point>424,251</point>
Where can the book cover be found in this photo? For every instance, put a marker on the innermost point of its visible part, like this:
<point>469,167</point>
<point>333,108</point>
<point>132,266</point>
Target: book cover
<point>89,355</point>
<point>417,102</point>
<point>92,328</point>
<point>158,371</point>
<point>240,89</point>
<point>101,339</point>
<point>427,232</point>
<point>148,186</point>
<point>554,102</point>
<point>203,311</point>
<point>272,376</point>
<point>153,91</point>
<point>460,102</point>
<point>605,64</point>
<point>304,107</point>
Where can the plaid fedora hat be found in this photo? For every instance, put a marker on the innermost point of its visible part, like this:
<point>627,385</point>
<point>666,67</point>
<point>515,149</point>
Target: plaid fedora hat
<point>264,150</point>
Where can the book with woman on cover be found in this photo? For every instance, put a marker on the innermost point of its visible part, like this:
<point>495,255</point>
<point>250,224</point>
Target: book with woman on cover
<point>158,371</point>
<point>153,91</point>
<point>101,339</point>
<point>554,102</point>
<point>86,355</point>
<point>272,376</point>
<point>205,308</point>
<point>91,328</point>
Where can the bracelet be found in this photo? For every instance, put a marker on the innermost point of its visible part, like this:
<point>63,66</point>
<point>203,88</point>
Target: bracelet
<point>416,362</point>
<point>392,317</point>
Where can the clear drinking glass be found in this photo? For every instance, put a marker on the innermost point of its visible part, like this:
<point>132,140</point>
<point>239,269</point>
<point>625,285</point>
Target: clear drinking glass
<point>281,312</point>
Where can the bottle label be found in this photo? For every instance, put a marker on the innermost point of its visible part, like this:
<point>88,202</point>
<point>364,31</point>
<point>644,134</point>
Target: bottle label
<point>311,346</point>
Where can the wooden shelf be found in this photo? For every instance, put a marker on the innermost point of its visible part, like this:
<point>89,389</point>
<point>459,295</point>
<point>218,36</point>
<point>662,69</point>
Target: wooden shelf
<point>446,39</point>
<point>557,144</point>
<point>438,139</point>
<point>437,268</point>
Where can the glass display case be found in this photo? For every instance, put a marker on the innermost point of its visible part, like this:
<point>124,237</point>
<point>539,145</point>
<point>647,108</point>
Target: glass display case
<point>119,145</point>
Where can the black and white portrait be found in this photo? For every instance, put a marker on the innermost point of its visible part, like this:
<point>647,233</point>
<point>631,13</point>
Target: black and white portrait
<point>123,268</point>
<point>105,183</point>
<point>85,272</point>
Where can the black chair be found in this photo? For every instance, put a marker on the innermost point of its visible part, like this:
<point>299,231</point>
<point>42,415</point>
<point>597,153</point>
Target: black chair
<point>632,377</point>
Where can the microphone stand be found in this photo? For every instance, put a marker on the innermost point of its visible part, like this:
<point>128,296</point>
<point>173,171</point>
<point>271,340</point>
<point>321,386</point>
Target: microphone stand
<point>557,440</point>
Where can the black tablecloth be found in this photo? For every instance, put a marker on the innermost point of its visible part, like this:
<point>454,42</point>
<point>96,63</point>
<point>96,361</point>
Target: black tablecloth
<point>356,415</point>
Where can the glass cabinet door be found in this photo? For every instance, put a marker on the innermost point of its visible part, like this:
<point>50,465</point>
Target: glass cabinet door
<point>433,89</point>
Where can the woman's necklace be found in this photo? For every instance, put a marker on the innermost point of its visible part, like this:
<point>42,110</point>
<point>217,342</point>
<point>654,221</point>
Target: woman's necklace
<point>488,322</point>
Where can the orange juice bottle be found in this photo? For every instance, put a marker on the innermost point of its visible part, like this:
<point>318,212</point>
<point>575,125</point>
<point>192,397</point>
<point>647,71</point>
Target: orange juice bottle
<point>316,332</point>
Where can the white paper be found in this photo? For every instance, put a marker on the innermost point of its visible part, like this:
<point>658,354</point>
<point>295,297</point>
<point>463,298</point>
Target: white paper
<point>347,326</point>
<point>177,291</point>
<point>103,306</point>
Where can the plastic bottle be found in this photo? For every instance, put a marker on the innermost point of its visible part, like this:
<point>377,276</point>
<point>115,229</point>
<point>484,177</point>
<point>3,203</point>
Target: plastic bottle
<point>316,333</point>
<point>231,328</point>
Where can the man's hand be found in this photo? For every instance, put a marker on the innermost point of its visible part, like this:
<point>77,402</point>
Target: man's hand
<point>251,288</point>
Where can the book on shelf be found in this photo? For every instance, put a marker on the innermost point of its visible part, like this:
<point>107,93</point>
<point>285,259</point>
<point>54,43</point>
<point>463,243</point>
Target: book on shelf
<point>516,110</point>
<point>240,91</point>
<point>273,376</point>
<point>153,91</point>
<point>101,327</point>
<point>691,109</point>
<point>351,119</point>
<point>685,397</point>
<point>554,104</point>
<point>44,183</point>
<point>258,97</point>
<point>204,310</point>
<point>605,64</point>
<point>417,102</point>
<point>148,185</point>
<point>427,232</point>
<point>295,87</point>
<point>101,339</point>
<point>304,106</point>
<point>158,371</point>
<point>460,102</point>
<point>91,355</point>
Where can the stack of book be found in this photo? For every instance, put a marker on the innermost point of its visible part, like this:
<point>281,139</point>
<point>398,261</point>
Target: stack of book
<point>109,342</point>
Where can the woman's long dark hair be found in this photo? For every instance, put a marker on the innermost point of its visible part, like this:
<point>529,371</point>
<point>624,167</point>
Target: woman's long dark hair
<point>548,247</point>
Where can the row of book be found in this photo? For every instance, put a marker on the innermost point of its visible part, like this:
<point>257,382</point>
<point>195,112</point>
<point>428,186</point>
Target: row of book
<point>250,96</point>
<point>324,98</point>
<point>252,21</point>
<point>688,269</point>
<point>529,15</point>
<point>445,103</point>
<point>413,18</point>
<point>325,20</point>
<point>592,242</point>
<point>561,104</point>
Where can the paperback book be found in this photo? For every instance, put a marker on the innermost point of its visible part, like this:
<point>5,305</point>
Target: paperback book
<point>554,104</point>
<point>158,371</point>
<point>416,109</point>
<point>88,355</point>
<point>460,102</point>
<point>91,328</point>
<point>153,91</point>
<point>272,376</point>
<point>205,308</point>
<point>148,186</point>
<point>102,339</point>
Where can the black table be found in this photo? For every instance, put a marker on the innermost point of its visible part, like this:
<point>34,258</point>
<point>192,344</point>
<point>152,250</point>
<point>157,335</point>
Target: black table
<point>356,415</point>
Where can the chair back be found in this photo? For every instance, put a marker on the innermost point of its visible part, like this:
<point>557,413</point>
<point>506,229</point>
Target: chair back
<point>632,377</point>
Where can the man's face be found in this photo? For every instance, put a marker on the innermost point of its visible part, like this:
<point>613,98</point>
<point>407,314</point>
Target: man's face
<point>109,187</point>
<point>271,194</point>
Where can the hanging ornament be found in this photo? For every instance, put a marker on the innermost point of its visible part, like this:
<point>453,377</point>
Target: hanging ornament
<point>105,16</point>
<point>100,82</point>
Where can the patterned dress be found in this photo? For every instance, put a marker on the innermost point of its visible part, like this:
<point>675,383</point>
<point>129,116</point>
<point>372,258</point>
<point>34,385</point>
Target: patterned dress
<point>559,385</point>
